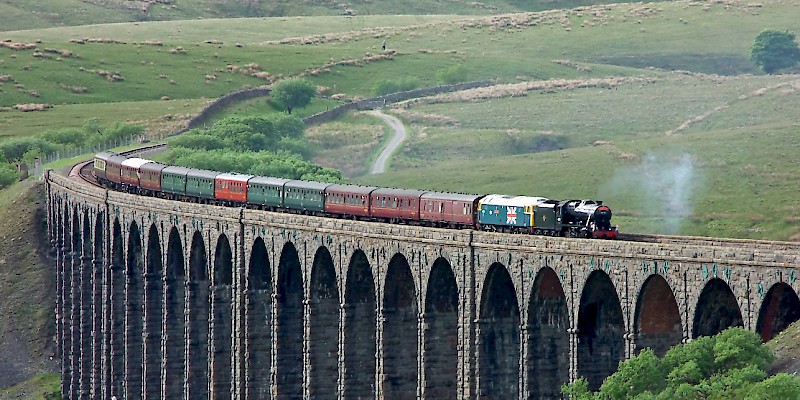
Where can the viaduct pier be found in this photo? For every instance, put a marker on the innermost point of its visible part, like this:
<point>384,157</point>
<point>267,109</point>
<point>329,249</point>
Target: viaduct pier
<point>160,299</point>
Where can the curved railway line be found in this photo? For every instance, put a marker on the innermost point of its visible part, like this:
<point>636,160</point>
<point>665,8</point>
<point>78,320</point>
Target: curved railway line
<point>83,171</point>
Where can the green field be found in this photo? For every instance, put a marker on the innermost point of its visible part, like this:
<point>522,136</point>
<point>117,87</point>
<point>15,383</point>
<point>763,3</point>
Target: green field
<point>587,96</point>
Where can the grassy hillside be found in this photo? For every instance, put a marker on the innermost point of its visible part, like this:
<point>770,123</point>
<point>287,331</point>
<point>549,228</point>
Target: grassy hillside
<point>27,285</point>
<point>21,14</point>
<point>590,89</point>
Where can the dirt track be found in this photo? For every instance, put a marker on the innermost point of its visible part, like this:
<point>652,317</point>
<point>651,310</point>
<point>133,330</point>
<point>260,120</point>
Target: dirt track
<point>379,166</point>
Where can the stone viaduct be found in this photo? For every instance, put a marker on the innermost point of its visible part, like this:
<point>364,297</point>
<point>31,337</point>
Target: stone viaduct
<point>169,300</point>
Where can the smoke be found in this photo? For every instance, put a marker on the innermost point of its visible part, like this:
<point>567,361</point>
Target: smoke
<point>662,186</point>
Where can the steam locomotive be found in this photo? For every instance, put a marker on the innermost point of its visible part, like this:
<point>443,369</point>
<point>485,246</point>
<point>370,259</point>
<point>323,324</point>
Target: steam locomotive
<point>494,212</point>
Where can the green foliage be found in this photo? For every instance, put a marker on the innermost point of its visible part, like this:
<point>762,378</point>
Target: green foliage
<point>578,390</point>
<point>8,175</point>
<point>271,132</point>
<point>263,163</point>
<point>293,93</point>
<point>387,86</point>
<point>13,150</point>
<point>452,74</point>
<point>92,133</point>
<point>739,348</point>
<point>265,145</point>
<point>635,376</point>
<point>774,50</point>
<point>781,386</point>
<point>732,383</point>
<point>728,365</point>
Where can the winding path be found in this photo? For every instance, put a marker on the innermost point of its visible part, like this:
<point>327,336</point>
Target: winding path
<point>379,166</point>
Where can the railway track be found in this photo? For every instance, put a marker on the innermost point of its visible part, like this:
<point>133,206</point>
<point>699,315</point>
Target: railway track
<point>753,244</point>
<point>83,171</point>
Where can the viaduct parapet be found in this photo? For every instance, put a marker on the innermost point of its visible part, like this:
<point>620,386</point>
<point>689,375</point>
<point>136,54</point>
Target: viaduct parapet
<point>160,299</point>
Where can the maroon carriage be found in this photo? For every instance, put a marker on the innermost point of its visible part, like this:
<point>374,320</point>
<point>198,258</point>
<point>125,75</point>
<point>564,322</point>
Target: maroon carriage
<point>348,200</point>
<point>130,171</point>
<point>395,204</point>
<point>150,176</point>
<point>108,167</point>
<point>449,209</point>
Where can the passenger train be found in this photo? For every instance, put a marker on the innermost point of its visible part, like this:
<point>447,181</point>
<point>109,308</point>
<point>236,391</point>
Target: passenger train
<point>493,212</point>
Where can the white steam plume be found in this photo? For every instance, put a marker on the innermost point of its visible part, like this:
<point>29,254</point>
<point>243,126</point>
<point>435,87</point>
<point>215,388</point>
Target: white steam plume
<point>664,184</point>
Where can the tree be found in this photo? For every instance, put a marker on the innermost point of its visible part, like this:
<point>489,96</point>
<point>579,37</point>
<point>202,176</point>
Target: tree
<point>774,50</point>
<point>293,93</point>
<point>635,376</point>
<point>726,366</point>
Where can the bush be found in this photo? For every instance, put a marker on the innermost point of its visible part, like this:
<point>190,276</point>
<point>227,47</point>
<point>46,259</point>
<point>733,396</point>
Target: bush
<point>8,175</point>
<point>14,150</point>
<point>384,87</point>
<point>454,74</point>
<point>728,365</point>
<point>774,50</point>
<point>278,164</point>
<point>293,93</point>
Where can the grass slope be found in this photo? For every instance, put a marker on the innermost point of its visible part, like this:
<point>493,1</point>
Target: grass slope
<point>27,285</point>
<point>21,14</point>
<point>786,348</point>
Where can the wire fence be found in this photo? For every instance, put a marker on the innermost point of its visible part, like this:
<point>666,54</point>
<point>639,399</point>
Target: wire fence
<point>40,165</point>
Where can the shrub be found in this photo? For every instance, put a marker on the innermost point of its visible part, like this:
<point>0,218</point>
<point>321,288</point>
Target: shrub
<point>8,175</point>
<point>728,365</point>
<point>774,50</point>
<point>453,74</point>
<point>293,93</point>
<point>384,87</point>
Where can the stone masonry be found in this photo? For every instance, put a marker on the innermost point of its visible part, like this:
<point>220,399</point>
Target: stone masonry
<point>159,299</point>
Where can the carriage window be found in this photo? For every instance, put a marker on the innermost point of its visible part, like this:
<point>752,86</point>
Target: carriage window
<point>441,208</point>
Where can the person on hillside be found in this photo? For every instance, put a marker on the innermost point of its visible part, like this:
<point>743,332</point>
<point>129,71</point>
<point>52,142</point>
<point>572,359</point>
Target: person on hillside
<point>383,45</point>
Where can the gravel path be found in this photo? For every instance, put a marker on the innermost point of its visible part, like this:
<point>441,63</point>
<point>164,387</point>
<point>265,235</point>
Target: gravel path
<point>399,135</point>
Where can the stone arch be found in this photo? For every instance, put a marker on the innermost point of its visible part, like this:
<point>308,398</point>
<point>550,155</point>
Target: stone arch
<point>780,308</point>
<point>498,336</point>
<point>359,329</point>
<point>117,312</point>
<point>323,344</point>
<point>657,320</point>
<point>65,294</point>
<point>222,320</point>
<point>441,333</point>
<point>174,319</point>
<point>601,328</point>
<point>547,355</point>
<point>99,307</point>
<point>82,351</point>
<point>198,291</point>
<point>289,340</point>
<point>153,313</point>
<point>716,310</point>
<point>223,262</point>
<point>134,302</point>
<point>258,300</point>
<point>400,326</point>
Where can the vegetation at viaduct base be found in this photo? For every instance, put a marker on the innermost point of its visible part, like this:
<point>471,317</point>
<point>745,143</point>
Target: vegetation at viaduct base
<point>729,365</point>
